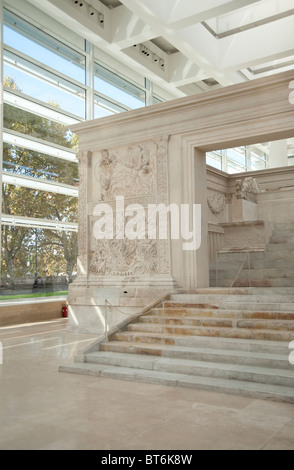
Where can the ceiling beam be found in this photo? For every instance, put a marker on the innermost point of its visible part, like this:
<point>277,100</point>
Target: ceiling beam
<point>200,49</point>
<point>250,17</point>
<point>186,12</point>
<point>234,52</point>
<point>77,19</point>
<point>128,29</point>
<point>183,71</point>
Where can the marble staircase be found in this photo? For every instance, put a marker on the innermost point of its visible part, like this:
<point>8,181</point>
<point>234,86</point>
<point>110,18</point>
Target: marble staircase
<point>224,340</point>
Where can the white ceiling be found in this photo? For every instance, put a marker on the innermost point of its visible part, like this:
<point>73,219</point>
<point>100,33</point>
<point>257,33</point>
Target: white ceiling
<point>192,45</point>
<point>186,46</point>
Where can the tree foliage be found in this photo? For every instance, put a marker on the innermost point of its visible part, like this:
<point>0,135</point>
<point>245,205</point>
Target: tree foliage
<point>26,249</point>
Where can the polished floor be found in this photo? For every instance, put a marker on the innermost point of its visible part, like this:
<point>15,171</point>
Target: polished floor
<point>43,409</point>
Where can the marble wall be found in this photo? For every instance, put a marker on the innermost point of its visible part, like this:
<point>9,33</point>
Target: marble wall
<point>156,156</point>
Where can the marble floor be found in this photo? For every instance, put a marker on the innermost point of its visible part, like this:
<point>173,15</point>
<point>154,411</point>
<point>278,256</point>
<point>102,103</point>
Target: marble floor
<point>43,409</point>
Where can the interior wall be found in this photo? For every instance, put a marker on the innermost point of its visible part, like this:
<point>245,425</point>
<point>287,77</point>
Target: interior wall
<point>274,202</point>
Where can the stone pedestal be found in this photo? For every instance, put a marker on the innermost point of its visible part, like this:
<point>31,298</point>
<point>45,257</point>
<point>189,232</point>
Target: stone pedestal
<point>243,211</point>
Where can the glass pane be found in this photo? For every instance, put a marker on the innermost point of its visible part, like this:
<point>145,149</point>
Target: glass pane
<point>103,107</point>
<point>157,100</point>
<point>35,203</point>
<point>257,163</point>
<point>238,155</point>
<point>118,89</point>
<point>214,160</point>
<point>42,47</point>
<point>235,168</point>
<point>28,123</point>
<point>25,162</point>
<point>37,261</point>
<point>38,83</point>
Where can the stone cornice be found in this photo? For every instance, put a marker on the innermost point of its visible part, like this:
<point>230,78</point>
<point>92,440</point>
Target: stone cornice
<point>254,101</point>
<point>270,171</point>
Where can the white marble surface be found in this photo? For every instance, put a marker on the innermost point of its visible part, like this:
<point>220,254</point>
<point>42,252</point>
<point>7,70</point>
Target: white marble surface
<point>44,409</point>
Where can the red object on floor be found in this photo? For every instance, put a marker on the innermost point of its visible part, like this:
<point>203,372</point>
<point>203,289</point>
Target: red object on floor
<point>64,311</point>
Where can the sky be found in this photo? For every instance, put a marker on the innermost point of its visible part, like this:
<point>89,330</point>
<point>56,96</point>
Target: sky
<point>44,91</point>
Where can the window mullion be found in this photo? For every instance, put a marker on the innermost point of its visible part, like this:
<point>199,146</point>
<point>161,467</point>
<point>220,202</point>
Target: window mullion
<point>148,92</point>
<point>89,81</point>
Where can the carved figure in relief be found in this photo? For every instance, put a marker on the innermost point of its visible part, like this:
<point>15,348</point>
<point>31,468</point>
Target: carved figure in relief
<point>127,174</point>
<point>250,185</point>
<point>247,189</point>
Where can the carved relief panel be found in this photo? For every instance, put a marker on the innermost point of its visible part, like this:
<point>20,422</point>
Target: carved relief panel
<point>127,172</point>
<point>139,174</point>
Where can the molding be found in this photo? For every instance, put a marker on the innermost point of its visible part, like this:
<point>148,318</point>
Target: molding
<point>231,115</point>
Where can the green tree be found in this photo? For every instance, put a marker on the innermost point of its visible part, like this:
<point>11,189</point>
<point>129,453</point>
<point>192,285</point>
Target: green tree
<point>57,251</point>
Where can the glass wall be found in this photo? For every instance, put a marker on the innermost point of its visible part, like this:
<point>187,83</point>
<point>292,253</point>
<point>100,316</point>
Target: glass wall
<point>50,84</point>
<point>46,89</point>
<point>239,159</point>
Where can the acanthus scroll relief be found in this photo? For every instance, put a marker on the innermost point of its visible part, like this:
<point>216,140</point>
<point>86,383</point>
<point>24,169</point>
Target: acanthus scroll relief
<point>217,203</point>
<point>83,158</point>
<point>124,258</point>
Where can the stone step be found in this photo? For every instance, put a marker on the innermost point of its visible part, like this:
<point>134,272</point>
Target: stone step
<point>261,307</point>
<point>258,273</point>
<point>248,291</point>
<point>239,256</point>
<point>280,227</point>
<point>281,264</point>
<point>227,302</point>
<point>262,324</point>
<point>249,330</point>
<point>218,313</point>
<point>277,252</point>
<point>186,321</point>
<point>211,343</point>
<point>224,304</point>
<point>157,334</point>
<point>214,299</point>
<point>281,282</point>
<point>248,389</point>
<point>228,356</point>
<point>192,367</point>
<point>280,247</point>
<point>275,255</point>
<point>280,239</point>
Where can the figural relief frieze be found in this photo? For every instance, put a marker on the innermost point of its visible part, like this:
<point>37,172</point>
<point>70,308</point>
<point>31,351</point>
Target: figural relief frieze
<point>247,189</point>
<point>139,173</point>
<point>126,172</point>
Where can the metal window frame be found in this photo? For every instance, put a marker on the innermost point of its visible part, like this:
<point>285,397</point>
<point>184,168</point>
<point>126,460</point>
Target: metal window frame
<point>35,106</point>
